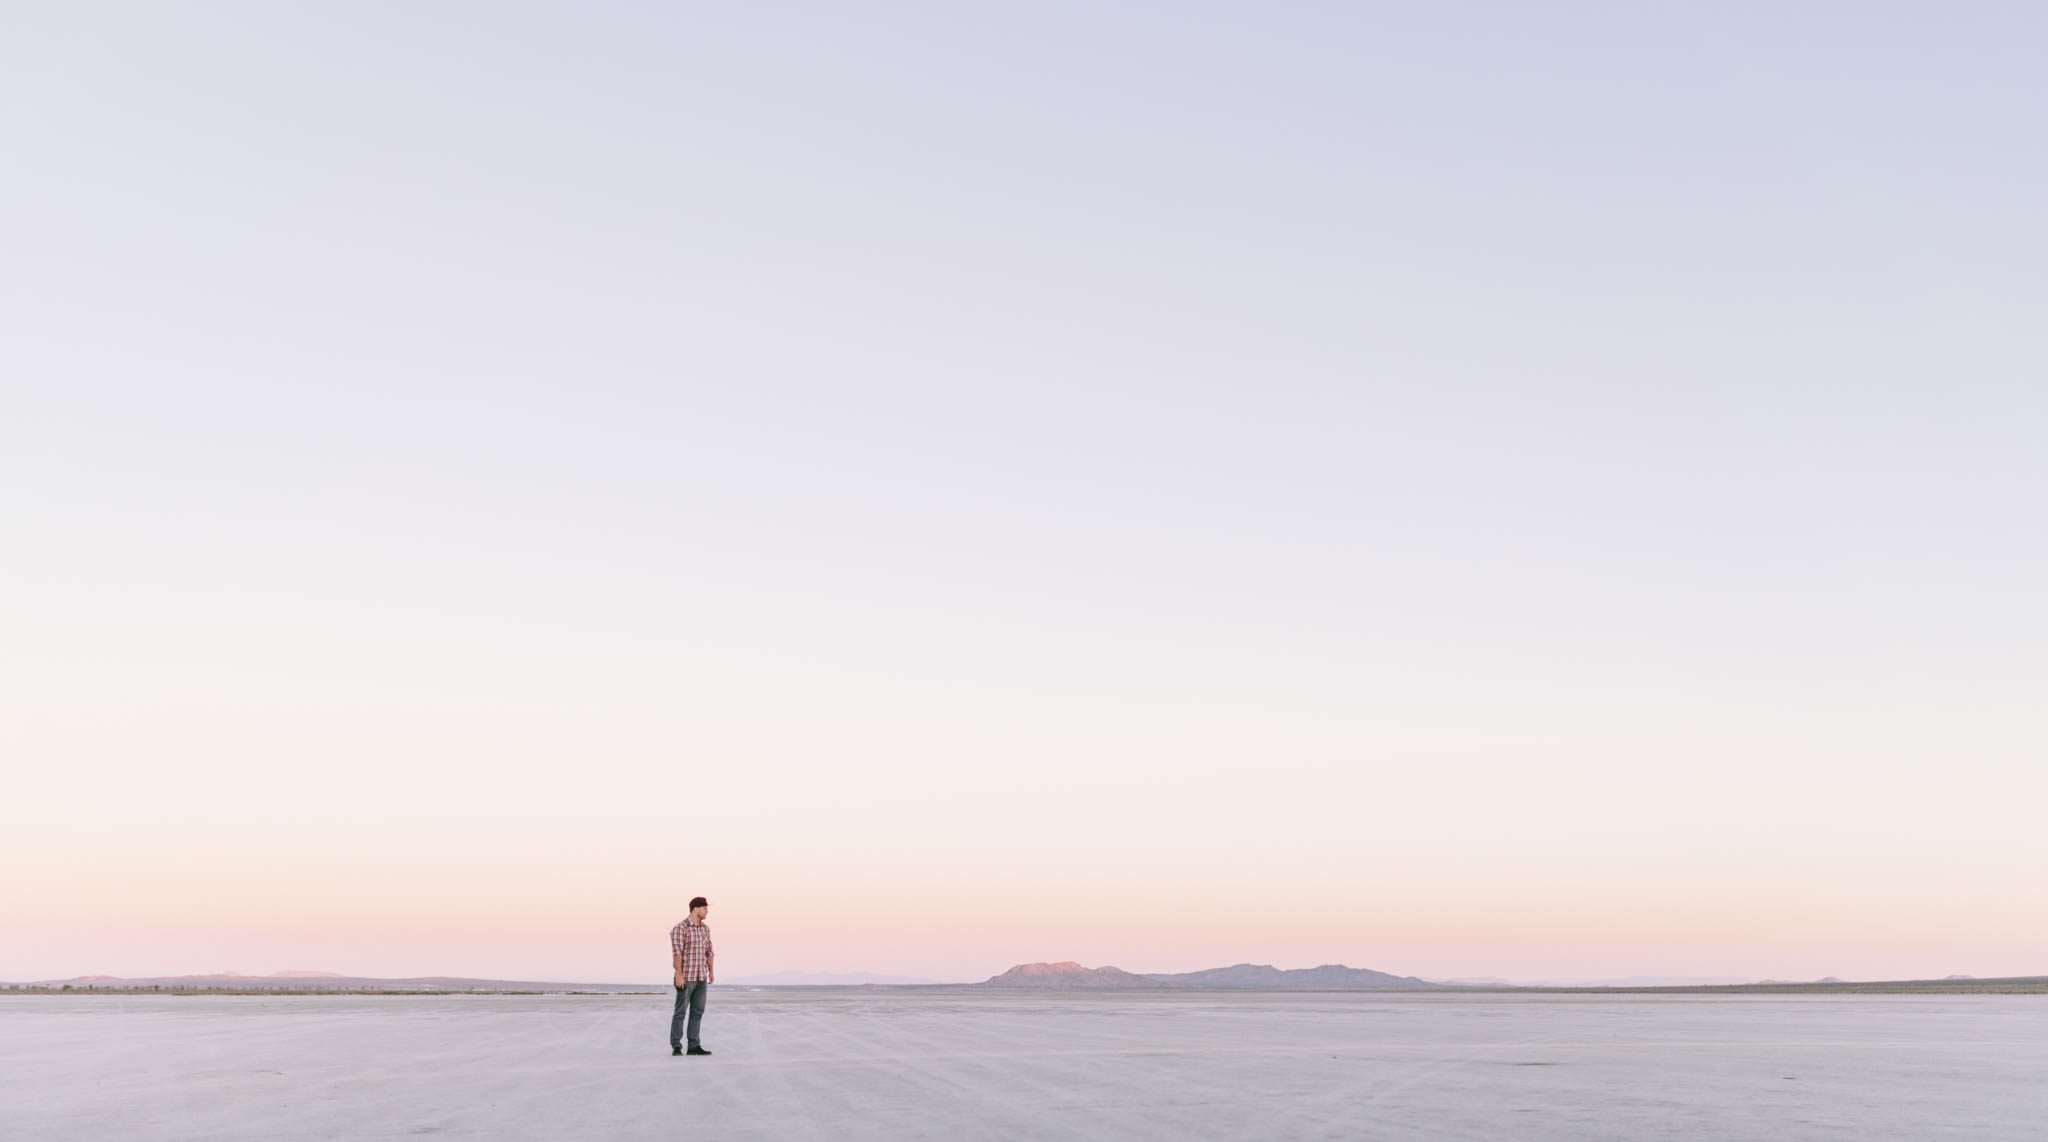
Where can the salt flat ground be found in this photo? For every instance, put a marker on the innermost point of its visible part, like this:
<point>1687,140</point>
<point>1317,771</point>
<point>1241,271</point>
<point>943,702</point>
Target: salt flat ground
<point>957,1064</point>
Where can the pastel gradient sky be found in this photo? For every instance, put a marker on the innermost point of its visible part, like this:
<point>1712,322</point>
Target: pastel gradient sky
<point>1547,491</point>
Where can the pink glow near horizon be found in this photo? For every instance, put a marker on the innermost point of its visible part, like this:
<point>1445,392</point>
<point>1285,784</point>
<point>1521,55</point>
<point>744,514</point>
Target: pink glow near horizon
<point>596,905</point>
<point>1440,871</point>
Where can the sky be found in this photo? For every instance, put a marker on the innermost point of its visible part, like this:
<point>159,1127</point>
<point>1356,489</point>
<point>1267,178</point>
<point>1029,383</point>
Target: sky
<point>1541,491</point>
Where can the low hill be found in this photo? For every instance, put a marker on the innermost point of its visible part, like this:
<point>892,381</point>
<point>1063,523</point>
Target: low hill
<point>1264,977</point>
<point>1069,976</point>
<point>832,979</point>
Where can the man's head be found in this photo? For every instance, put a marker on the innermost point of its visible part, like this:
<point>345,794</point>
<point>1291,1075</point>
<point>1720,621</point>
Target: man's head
<point>699,908</point>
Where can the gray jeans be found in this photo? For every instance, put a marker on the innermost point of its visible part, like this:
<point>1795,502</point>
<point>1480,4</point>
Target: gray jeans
<point>689,997</point>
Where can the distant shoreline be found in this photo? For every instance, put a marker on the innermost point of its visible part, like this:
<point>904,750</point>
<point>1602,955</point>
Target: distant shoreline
<point>91,990</point>
<point>2019,985</point>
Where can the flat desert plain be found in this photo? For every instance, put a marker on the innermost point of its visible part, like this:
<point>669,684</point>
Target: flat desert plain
<point>960,1064</point>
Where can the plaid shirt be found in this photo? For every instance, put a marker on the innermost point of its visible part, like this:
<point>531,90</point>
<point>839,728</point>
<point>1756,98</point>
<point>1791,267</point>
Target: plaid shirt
<point>692,941</point>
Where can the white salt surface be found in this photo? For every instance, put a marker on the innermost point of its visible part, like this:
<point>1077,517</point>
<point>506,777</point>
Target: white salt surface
<point>948,1064</point>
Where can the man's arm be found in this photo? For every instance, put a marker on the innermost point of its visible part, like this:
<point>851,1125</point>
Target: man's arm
<point>678,958</point>
<point>710,965</point>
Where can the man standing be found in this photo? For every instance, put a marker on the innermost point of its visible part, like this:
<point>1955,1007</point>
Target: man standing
<point>691,943</point>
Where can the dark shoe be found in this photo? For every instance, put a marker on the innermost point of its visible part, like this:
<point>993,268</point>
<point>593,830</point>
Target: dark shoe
<point>699,1051</point>
<point>675,1050</point>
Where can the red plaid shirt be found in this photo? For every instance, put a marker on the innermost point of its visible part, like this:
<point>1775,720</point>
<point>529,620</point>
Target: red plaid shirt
<point>692,941</point>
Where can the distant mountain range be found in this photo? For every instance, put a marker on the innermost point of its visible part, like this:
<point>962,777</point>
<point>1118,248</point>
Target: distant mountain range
<point>1070,976</point>
<point>329,981</point>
